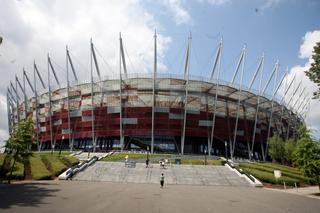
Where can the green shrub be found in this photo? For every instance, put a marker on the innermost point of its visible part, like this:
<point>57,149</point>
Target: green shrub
<point>201,162</point>
<point>282,167</point>
<point>53,164</point>
<point>2,156</point>
<point>38,169</point>
<point>18,170</point>
<point>69,161</point>
<point>268,177</point>
<point>287,172</point>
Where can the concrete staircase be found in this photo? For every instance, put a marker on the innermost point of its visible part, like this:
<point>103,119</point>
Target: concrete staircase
<point>174,174</point>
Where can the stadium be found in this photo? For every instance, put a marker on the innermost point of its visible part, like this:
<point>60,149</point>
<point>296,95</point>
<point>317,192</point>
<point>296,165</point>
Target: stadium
<point>158,112</point>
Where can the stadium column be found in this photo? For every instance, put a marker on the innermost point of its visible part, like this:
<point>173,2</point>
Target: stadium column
<point>121,62</point>
<point>297,114</point>
<point>8,113</point>
<point>68,99</point>
<point>288,105</point>
<point>50,107</point>
<point>22,90</point>
<point>17,98</point>
<point>228,124</point>
<point>94,58</point>
<point>272,111</point>
<point>282,100</point>
<point>259,69</point>
<point>36,105</point>
<point>35,74</point>
<point>13,102</point>
<point>241,62</point>
<point>246,125</point>
<point>261,92</point>
<point>68,92</point>
<point>217,60</point>
<point>26,78</point>
<point>153,90</point>
<point>186,77</point>
<point>25,94</point>
<point>275,90</point>
<point>92,99</point>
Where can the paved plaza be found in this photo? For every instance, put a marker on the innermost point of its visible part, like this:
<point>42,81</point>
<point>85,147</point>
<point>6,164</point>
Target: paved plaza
<point>93,197</point>
<point>174,174</point>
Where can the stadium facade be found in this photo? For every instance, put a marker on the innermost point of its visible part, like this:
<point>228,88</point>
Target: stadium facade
<point>157,112</point>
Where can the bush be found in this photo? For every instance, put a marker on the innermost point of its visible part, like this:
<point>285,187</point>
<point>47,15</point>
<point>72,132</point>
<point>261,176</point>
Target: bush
<point>268,177</point>
<point>201,162</point>
<point>53,164</point>
<point>39,170</point>
<point>69,160</point>
<point>287,172</point>
<point>18,170</point>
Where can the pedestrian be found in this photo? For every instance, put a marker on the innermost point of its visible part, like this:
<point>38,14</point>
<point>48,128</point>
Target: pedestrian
<point>147,163</point>
<point>162,180</point>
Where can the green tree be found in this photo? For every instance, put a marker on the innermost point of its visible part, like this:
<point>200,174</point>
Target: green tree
<point>304,132</point>
<point>19,143</point>
<point>276,148</point>
<point>307,155</point>
<point>314,72</point>
<point>289,148</point>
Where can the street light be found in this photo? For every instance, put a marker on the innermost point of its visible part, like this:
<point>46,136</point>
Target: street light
<point>61,144</point>
<point>205,156</point>
<point>147,161</point>
<point>226,149</point>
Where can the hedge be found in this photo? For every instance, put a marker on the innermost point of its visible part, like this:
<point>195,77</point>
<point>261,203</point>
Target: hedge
<point>39,170</point>
<point>268,177</point>
<point>285,171</point>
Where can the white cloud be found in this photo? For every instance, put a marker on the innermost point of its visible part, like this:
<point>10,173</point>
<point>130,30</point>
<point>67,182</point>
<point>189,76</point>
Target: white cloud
<point>270,4</point>
<point>306,48</point>
<point>309,41</point>
<point>215,2</point>
<point>30,29</point>
<point>176,9</point>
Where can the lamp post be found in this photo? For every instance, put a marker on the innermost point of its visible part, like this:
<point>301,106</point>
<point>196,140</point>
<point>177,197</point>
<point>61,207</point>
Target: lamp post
<point>226,149</point>
<point>205,156</point>
<point>147,160</point>
<point>61,144</point>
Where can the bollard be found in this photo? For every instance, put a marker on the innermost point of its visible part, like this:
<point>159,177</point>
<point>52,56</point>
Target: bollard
<point>295,185</point>
<point>284,185</point>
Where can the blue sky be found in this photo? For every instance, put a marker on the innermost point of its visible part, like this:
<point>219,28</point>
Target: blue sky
<point>276,30</point>
<point>284,30</point>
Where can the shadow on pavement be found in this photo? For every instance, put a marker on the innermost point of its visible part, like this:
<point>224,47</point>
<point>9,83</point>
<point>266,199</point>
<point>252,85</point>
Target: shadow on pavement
<point>25,194</point>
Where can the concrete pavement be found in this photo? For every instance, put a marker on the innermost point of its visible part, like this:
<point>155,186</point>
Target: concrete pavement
<point>310,191</point>
<point>84,196</point>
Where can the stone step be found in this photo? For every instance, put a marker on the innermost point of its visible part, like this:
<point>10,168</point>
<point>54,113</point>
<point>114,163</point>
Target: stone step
<point>174,174</point>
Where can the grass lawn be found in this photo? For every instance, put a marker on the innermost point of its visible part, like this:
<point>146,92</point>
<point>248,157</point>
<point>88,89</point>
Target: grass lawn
<point>43,165</point>
<point>18,170</point>
<point>55,153</point>
<point>201,162</point>
<point>39,170</point>
<point>121,156</point>
<point>54,164</point>
<point>264,172</point>
<point>69,160</point>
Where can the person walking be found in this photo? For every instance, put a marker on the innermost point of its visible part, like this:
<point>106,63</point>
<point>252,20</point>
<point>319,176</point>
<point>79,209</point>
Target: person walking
<point>162,180</point>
